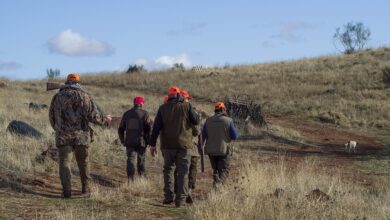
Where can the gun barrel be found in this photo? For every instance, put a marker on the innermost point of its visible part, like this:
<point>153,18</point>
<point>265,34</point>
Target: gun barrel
<point>201,152</point>
<point>53,86</point>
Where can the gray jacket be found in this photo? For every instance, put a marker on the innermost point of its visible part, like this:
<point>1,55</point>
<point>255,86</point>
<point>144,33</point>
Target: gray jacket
<point>218,132</point>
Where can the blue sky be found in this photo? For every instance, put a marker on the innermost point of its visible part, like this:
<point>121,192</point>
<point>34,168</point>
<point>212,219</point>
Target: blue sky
<point>93,36</point>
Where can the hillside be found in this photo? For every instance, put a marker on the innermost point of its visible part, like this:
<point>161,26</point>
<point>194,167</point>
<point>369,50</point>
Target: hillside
<point>312,106</point>
<point>345,90</point>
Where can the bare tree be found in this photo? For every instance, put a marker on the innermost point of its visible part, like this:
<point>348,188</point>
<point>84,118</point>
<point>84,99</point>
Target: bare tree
<point>352,36</point>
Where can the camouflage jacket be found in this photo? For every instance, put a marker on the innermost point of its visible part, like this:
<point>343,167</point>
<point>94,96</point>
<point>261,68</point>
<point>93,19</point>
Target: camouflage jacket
<point>70,112</point>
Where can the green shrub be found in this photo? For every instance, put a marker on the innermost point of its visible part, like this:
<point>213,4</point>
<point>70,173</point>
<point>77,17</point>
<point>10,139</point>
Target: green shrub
<point>386,75</point>
<point>52,73</point>
<point>178,67</point>
<point>136,69</point>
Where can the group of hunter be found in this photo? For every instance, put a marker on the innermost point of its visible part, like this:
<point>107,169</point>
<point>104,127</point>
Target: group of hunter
<point>182,138</point>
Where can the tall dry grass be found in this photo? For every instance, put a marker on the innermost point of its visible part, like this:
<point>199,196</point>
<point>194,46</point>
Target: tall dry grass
<point>250,195</point>
<point>346,90</point>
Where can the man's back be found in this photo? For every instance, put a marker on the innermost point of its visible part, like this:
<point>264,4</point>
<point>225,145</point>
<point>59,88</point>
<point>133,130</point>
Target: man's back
<point>137,127</point>
<point>70,112</point>
<point>173,121</point>
<point>218,134</point>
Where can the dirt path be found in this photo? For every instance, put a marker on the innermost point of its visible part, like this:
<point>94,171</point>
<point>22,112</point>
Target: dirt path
<point>325,138</point>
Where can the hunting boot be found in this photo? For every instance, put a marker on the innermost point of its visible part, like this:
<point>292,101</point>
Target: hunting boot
<point>66,194</point>
<point>85,189</point>
<point>167,201</point>
<point>189,198</point>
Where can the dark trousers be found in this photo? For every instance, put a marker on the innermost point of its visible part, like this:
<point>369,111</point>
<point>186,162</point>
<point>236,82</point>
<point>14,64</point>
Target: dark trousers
<point>193,171</point>
<point>134,154</point>
<point>220,165</point>
<point>179,159</point>
<point>65,156</point>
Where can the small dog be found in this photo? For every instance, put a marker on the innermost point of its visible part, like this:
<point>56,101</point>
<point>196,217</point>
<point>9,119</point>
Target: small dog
<point>350,145</point>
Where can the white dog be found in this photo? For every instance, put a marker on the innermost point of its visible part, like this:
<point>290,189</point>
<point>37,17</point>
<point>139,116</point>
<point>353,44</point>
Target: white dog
<point>350,145</point>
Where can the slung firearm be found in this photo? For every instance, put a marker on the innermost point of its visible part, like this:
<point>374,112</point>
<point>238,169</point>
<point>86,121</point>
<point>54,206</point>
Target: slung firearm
<point>54,86</point>
<point>201,153</point>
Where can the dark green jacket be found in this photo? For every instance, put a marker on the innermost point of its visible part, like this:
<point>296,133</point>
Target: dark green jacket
<point>174,122</point>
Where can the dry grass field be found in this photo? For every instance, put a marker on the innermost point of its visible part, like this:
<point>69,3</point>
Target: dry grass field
<point>312,107</point>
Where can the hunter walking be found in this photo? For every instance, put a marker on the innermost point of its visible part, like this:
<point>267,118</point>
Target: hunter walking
<point>173,122</point>
<point>134,133</point>
<point>194,151</point>
<point>70,113</point>
<point>218,132</point>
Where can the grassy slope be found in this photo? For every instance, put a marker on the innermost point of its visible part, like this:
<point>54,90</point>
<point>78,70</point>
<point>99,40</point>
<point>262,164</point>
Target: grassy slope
<point>347,86</point>
<point>345,90</point>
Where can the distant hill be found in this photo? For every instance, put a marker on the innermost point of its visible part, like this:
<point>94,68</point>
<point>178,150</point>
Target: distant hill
<point>346,90</point>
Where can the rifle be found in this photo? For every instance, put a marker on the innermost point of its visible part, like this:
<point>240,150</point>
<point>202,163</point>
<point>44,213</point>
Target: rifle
<point>53,86</point>
<point>201,152</point>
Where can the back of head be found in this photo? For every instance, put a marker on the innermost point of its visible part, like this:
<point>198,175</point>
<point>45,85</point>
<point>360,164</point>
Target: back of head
<point>174,90</point>
<point>72,78</point>
<point>138,101</point>
<point>219,107</point>
<point>185,95</point>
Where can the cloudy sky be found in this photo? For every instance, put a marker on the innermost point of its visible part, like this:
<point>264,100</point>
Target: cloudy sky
<point>97,35</point>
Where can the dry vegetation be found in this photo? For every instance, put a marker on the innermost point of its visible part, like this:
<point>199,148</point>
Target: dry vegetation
<point>345,90</point>
<point>251,194</point>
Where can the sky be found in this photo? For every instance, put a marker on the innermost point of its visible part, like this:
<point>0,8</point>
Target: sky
<point>88,36</point>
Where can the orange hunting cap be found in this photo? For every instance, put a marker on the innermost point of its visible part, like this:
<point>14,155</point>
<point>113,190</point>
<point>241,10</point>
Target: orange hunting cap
<point>174,90</point>
<point>185,94</point>
<point>73,77</point>
<point>220,106</point>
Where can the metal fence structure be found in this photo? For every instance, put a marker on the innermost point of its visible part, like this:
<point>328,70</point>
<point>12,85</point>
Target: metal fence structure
<point>244,108</point>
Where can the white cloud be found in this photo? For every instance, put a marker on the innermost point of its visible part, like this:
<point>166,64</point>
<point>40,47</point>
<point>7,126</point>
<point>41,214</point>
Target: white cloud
<point>71,43</point>
<point>9,65</point>
<point>168,61</point>
<point>141,61</point>
<point>164,62</point>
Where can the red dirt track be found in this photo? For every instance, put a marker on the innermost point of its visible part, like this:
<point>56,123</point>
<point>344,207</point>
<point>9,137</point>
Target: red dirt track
<point>325,138</point>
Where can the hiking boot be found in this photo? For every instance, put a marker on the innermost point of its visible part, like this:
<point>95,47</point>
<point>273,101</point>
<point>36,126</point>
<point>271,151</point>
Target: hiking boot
<point>85,189</point>
<point>66,194</point>
<point>167,201</point>
<point>180,204</point>
<point>189,199</point>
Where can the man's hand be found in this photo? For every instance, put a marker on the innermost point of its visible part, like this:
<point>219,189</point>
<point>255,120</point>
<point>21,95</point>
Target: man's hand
<point>107,119</point>
<point>153,151</point>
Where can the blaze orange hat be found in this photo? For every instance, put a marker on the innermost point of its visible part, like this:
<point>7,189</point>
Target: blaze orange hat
<point>185,94</point>
<point>174,90</point>
<point>220,106</point>
<point>165,99</point>
<point>73,77</point>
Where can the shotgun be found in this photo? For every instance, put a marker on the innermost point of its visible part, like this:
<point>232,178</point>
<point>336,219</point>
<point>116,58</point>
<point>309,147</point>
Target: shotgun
<point>201,152</point>
<point>53,86</point>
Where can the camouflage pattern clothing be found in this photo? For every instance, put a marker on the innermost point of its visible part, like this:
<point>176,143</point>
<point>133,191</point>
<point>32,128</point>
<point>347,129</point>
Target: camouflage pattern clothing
<point>70,113</point>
